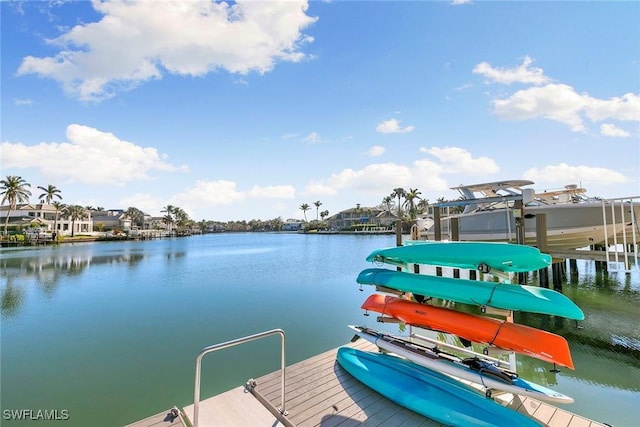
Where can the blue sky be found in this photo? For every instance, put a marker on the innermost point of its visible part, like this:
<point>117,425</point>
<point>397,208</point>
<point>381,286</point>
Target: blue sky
<point>247,110</point>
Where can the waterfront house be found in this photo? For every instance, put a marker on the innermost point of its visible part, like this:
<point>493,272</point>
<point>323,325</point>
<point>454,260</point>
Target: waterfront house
<point>291,225</point>
<point>350,218</point>
<point>112,219</point>
<point>42,217</point>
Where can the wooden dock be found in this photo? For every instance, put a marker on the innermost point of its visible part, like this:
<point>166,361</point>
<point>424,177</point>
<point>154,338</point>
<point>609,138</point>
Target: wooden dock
<point>320,393</point>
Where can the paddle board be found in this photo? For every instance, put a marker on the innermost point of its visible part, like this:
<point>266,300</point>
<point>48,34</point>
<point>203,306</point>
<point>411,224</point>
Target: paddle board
<point>429,393</point>
<point>474,369</point>
<point>484,256</point>
<point>522,339</point>
<point>498,295</point>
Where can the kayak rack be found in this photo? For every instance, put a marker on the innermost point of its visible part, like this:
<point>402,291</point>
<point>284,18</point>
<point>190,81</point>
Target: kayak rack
<point>438,343</point>
<point>250,386</point>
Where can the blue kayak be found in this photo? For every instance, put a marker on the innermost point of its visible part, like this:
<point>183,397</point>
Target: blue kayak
<point>427,392</point>
<point>498,295</point>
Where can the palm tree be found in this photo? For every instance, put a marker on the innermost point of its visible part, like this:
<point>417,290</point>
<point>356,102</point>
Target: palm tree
<point>304,208</point>
<point>14,190</point>
<point>324,214</point>
<point>50,192</point>
<point>169,219</point>
<point>399,193</point>
<point>423,204</point>
<point>182,218</point>
<point>74,212</point>
<point>317,205</point>
<point>409,198</point>
<point>135,215</point>
<point>169,209</point>
<point>58,207</point>
<point>387,201</point>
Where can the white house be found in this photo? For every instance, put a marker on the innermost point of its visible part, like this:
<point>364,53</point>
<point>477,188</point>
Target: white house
<point>43,217</point>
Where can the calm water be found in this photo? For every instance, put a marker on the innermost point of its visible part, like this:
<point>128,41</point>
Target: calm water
<point>109,331</point>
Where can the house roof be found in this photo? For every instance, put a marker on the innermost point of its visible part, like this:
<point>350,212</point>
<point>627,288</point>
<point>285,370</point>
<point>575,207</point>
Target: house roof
<point>24,220</point>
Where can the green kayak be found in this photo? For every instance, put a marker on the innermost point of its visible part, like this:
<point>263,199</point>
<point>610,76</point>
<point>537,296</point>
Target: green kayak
<point>484,256</point>
<point>498,295</point>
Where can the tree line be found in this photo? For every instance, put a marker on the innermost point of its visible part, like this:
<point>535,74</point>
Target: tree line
<point>15,189</point>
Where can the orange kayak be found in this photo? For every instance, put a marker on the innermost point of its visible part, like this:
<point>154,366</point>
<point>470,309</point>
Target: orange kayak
<point>522,339</point>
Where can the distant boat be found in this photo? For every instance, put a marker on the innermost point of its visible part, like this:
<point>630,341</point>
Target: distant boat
<point>573,220</point>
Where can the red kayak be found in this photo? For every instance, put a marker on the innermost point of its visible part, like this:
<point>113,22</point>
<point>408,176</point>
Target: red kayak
<point>522,339</point>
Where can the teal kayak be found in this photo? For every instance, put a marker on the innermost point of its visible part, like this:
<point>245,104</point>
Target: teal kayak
<point>484,256</point>
<point>498,295</point>
<point>426,392</point>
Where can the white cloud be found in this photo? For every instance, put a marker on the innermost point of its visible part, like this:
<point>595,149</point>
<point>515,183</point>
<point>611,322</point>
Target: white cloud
<point>368,180</point>
<point>563,173</point>
<point>211,193</point>
<point>376,151</point>
<point>378,178</point>
<point>320,188</point>
<point>625,108</point>
<point>145,202</point>
<point>272,192</point>
<point>138,41</point>
<point>313,138</point>
<point>520,74</point>
<point>558,102</point>
<point>206,195</point>
<point>561,103</point>
<point>20,102</point>
<point>393,126</point>
<point>459,160</point>
<point>91,156</point>
<point>555,101</point>
<point>608,129</point>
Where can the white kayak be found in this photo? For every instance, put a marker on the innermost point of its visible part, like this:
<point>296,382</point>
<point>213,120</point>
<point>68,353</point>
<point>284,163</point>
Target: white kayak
<point>474,369</point>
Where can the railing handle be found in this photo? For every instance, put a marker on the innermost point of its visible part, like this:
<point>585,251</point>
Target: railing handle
<point>232,343</point>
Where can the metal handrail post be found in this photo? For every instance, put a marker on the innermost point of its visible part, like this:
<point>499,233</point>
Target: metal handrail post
<point>604,222</point>
<point>634,225</point>
<point>227,344</point>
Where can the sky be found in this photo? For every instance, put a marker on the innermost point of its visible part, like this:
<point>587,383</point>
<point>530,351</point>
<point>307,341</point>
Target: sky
<point>249,109</point>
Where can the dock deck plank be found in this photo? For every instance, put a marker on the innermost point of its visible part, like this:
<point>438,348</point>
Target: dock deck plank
<point>320,393</point>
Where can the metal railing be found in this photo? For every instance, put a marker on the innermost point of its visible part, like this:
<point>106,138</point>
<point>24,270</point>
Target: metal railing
<point>628,238</point>
<point>232,343</point>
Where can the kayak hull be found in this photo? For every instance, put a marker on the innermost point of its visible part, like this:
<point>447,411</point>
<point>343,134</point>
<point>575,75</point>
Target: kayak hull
<point>476,292</point>
<point>429,393</point>
<point>503,257</point>
<point>522,339</point>
<point>441,362</point>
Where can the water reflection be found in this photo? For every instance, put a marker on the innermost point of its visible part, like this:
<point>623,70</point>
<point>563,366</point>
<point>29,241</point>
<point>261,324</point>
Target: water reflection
<point>11,298</point>
<point>48,268</point>
<point>70,264</point>
<point>604,367</point>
